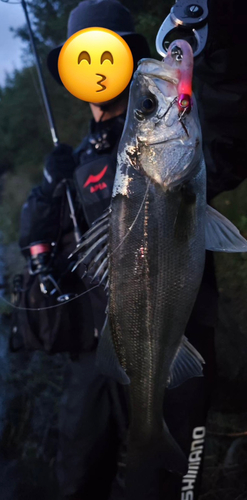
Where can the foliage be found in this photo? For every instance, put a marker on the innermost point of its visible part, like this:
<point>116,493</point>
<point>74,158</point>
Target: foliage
<point>232,268</point>
<point>23,123</point>
<point>13,196</point>
<point>22,120</point>
<point>33,386</point>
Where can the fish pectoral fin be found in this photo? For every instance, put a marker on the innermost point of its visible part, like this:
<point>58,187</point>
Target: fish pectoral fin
<point>92,251</point>
<point>221,235</point>
<point>107,360</point>
<point>186,364</point>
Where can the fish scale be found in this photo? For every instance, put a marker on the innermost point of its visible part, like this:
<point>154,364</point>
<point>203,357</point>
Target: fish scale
<point>158,228</point>
<point>151,297</point>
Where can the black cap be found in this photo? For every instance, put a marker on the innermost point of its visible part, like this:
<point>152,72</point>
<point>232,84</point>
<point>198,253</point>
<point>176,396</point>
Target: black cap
<point>110,14</point>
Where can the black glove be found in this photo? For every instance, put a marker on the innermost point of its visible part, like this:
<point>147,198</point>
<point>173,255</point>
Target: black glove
<point>59,165</point>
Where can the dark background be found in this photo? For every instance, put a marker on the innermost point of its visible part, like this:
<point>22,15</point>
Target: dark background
<point>31,384</point>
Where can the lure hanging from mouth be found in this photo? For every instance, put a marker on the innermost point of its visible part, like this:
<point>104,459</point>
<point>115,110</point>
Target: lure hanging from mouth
<point>181,53</point>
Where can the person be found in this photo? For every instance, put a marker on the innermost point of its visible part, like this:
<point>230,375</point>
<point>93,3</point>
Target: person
<point>93,417</point>
<point>92,407</point>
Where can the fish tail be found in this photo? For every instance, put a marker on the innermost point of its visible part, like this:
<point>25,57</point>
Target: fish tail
<point>144,464</point>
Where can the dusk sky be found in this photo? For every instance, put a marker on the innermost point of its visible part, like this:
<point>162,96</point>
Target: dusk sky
<point>11,15</point>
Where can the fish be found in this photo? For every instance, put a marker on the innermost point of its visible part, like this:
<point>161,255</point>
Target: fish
<point>148,250</point>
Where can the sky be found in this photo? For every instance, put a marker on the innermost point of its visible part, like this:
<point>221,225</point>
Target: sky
<point>11,15</point>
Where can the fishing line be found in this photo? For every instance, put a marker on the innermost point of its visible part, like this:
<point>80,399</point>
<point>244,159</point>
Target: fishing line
<point>95,286</point>
<point>48,307</point>
<point>134,221</point>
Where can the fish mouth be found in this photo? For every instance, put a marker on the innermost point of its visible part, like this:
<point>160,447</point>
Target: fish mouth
<point>163,141</point>
<point>100,82</point>
<point>157,70</point>
<point>166,78</point>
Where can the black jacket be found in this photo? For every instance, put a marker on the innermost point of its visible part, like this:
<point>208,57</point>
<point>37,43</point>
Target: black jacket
<point>46,219</point>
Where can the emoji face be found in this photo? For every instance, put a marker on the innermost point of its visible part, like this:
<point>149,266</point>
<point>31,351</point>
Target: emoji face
<point>95,64</point>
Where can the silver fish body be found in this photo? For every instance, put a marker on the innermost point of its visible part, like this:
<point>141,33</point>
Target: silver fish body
<point>158,228</point>
<point>154,277</point>
<point>156,247</point>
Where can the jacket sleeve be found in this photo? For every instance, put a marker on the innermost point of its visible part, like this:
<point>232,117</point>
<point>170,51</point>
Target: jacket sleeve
<point>221,88</point>
<point>40,219</point>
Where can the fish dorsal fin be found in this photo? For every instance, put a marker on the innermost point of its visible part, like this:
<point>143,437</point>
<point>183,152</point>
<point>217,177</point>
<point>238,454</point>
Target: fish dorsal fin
<point>186,364</point>
<point>106,358</point>
<point>221,235</point>
<point>92,251</point>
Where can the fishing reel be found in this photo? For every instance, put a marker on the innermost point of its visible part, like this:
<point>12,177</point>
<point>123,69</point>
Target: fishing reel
<point>40,264</point>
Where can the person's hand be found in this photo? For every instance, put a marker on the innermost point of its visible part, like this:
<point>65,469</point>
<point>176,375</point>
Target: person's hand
<point>59,165</point>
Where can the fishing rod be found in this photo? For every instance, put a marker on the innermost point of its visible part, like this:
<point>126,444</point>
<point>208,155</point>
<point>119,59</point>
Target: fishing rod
<point>49,114</point>
<point>41,80</point>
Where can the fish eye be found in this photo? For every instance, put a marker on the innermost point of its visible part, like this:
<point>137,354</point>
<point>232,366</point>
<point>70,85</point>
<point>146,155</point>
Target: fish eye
<point>148,105</point>
<point>145,107</point>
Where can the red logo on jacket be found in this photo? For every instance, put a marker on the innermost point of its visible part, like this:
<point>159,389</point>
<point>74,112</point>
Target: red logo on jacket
<point>94,179</point>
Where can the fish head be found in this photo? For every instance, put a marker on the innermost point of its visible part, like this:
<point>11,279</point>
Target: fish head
<point>161,139</point>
